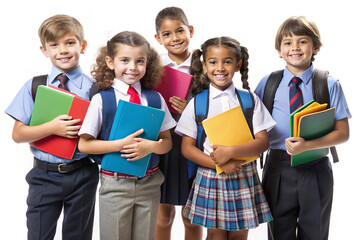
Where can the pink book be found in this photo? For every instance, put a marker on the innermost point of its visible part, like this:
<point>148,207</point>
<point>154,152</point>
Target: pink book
<point>174,83</point>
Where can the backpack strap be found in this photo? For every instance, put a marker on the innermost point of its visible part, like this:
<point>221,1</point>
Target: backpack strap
<point>271,86</point>
<point>320,86</point>
<point>321,95</point>
<point>247,104</point>
<point>201,108</point>
<point>153,98</point>
<point>36,82</point>
<point>93,90</point>
<point>108,114</point>
<point>201,111</point>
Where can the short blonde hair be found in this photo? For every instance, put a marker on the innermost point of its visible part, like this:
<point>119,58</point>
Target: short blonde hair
<point>56,26</point>
<point>298,25</point>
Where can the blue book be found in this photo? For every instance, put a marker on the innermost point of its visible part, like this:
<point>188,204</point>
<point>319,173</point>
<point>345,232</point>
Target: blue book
<point>129,118</point>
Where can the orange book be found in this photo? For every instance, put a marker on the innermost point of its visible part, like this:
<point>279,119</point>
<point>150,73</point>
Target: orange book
<point>51,102</point>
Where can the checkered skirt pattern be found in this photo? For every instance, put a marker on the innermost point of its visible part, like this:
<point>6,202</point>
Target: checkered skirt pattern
<point>230,202</point>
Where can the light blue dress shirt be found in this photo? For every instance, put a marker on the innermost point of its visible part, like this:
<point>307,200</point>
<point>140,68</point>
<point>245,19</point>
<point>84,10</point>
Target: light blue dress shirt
<point>281,108</point>
<point>22,105</point>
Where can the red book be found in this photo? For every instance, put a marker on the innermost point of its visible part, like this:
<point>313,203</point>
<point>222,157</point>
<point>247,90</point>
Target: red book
<point>174,83</point>
<point>51,102</point>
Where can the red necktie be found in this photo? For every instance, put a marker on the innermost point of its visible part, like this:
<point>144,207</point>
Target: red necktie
<point>295,94</point>
<point>134,97</point>
<point>63,80</point>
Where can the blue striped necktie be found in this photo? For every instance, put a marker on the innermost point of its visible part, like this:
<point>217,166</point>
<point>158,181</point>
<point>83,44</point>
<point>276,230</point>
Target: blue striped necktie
<point>295,95</point>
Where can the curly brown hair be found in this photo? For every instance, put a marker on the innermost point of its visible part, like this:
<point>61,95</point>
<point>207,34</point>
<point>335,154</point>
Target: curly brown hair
<point>104,76</point>
<point>201,80</point>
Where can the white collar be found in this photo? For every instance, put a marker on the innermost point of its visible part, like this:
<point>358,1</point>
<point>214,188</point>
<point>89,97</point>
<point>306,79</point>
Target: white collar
<point>214,92</point>
<point>123,87</point>
<point>167,61</point>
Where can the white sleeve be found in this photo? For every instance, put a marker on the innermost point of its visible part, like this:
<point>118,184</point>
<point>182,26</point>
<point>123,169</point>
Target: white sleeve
<point>187,123</point>
<point>262,119</point>
<point>93,119</point>
<point>169,121</point>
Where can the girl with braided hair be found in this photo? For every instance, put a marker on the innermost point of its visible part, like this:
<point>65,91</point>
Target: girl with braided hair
<point>230,203</point>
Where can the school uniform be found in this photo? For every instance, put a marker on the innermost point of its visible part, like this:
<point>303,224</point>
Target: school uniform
<point>50,190</point>
<point>128,206</point>
<point>230,202</point>
<point>300,198</point>
<point>176,186</point>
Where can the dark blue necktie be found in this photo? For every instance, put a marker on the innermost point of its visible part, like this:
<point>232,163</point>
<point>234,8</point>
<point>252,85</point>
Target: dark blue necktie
<point>295,95</point>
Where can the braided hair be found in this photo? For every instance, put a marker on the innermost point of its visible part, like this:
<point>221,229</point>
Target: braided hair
<point>201,81</point>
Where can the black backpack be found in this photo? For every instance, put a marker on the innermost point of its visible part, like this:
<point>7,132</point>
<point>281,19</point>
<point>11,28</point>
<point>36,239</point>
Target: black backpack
<point>319,88</point>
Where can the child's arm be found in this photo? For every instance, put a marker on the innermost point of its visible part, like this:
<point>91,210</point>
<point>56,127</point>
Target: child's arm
<point>340,134</point>
<point>62,125</point>
<point>191,152</point>
<point>222,154</point>
<point>142,147</point>
<point>178,103</point>
<point>90,145</point>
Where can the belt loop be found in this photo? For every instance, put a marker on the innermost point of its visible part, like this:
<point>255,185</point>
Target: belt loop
<point>46,167</point>
<point>116,176</point>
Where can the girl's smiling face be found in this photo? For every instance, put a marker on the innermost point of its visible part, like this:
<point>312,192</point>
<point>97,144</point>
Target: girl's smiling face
<point>220,65</point>
<point>129,63</point>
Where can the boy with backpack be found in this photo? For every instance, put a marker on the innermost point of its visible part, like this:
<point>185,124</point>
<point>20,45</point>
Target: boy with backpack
<point>57,184</point>
<point>300,198</point>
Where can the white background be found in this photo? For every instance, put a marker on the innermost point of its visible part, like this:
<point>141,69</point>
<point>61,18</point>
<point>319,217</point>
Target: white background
<point>253,23</point>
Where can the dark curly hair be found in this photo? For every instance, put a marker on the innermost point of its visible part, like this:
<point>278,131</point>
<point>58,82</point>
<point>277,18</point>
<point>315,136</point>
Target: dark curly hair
<point>201,80</point>
<point>104,76</point>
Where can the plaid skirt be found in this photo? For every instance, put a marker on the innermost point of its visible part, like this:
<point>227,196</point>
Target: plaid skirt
<point>230,202</point>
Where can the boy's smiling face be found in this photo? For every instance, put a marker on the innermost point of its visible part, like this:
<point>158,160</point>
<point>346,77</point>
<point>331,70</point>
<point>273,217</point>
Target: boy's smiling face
<point>64,53</point>
<point>297,52</point>
<point>175,36</point>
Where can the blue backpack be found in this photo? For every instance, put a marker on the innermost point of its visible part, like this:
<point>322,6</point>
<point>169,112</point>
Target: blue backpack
<point>201,103</point>
<point>109,105</point>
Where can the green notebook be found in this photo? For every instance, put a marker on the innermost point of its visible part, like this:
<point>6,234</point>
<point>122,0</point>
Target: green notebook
<point>312,126</point>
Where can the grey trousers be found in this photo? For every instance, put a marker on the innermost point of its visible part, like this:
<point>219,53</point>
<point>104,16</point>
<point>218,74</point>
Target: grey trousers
<point>128,207</point>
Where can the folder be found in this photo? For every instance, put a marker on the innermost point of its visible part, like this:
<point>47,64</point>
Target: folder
<point>129,118</point>
<point>312,121</point>
<point>228,129</point>
<point>174,83</point>
<point>51,102</point>
<point>313,107</point>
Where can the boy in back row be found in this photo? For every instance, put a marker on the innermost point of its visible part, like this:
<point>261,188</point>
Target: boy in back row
<point>300,198</point>
<point>56,183</point>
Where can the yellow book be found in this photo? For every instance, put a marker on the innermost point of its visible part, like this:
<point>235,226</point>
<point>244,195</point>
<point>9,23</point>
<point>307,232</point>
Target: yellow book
<point>228,129</point>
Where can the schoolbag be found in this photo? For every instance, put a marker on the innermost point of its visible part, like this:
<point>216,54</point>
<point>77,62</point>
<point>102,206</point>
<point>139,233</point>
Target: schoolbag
<point>320,93</point>
<point>109,105</point>
<point>37,81</point>
<point>201,108</point>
